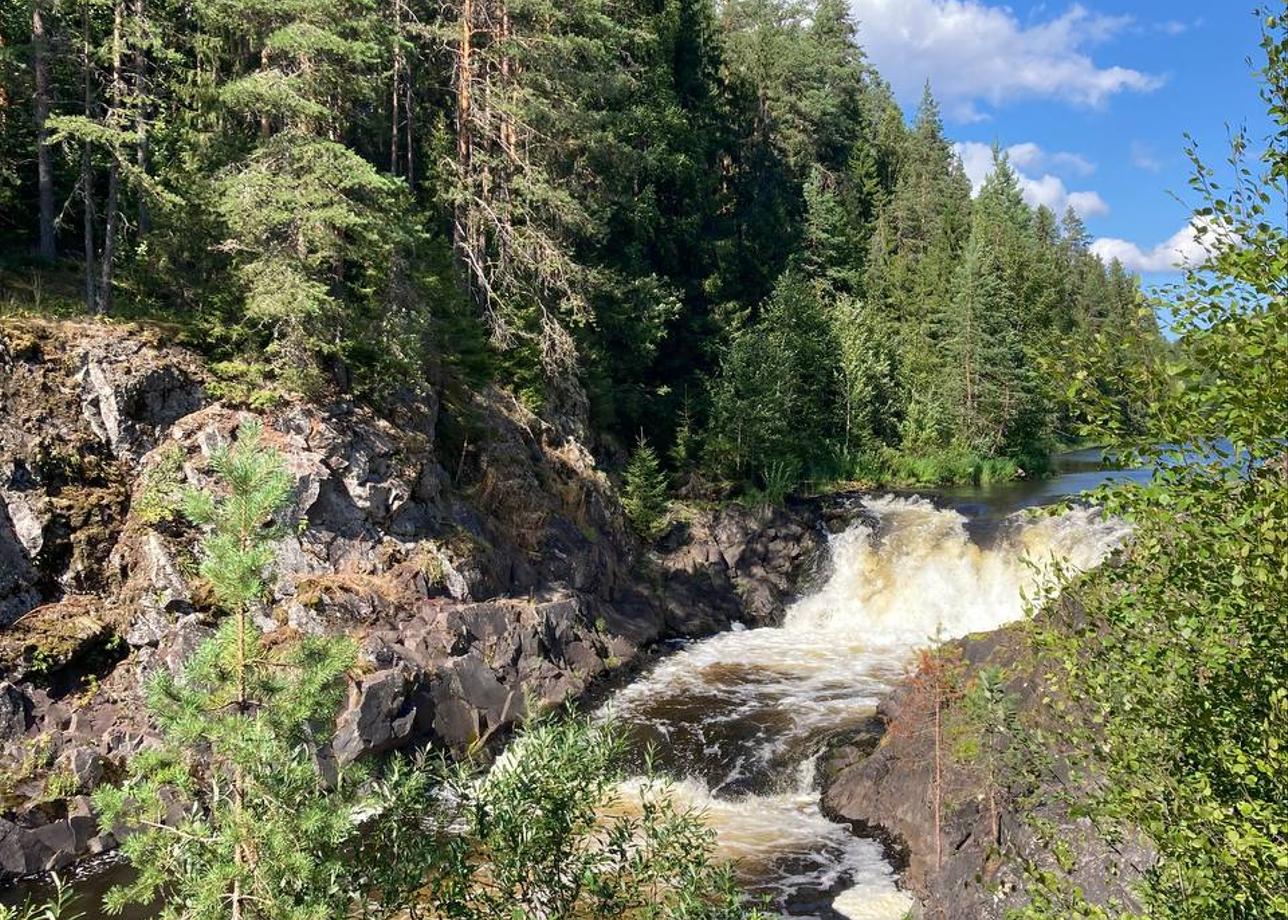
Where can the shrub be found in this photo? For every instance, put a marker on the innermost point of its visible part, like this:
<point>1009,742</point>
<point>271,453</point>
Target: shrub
<point>552,831</point>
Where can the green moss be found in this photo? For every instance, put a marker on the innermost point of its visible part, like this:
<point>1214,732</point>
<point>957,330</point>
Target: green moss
<point>161,494</point>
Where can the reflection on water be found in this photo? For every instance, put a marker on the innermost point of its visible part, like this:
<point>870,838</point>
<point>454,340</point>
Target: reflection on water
<point>1073,473</point>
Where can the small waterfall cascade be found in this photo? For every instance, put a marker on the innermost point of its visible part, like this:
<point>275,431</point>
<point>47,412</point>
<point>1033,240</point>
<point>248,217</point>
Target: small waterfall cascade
<point>739,720</point>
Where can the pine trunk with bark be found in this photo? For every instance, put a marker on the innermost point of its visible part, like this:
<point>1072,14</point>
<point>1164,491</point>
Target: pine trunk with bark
<point>87,164</point>
<point>103,301</point>
<point>48,249</point>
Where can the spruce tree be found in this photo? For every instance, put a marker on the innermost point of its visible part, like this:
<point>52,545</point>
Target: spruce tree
<point>774,403</point>
<point>313,228</point>
<point>992,334</point>
<point>867,373</point>
<point>644,492</point>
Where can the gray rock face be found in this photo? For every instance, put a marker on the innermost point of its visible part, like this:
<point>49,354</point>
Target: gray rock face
<point>480,561</point>
<point>739,564</point>
<point>129,399</point>
<point>18,591</point>
<point>14,708</point>
<point>81,404</point>
<point>378,720</point>
<point>51,846</point>
<point>86,766</point>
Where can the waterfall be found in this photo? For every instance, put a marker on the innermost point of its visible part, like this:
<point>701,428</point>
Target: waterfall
<point>739,719</point>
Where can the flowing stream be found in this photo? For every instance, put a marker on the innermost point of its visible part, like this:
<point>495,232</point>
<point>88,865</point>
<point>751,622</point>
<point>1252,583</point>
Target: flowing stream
<point>739,720</point>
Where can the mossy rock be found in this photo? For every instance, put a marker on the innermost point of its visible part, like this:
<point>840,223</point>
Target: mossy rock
<point>48,641</point>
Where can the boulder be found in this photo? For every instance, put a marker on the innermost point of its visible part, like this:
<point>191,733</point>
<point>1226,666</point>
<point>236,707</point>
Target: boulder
<point>15,709</point>
<point>129,395</point>
<point>377,719</point>
<point>86,766</point>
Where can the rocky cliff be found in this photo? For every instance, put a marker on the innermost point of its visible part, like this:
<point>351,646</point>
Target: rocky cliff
<point>1003,836</point>
<point>477,553</point>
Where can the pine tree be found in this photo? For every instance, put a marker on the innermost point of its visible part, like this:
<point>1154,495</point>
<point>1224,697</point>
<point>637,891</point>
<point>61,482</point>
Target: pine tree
<point>622,188</point>
<point>269,822</point>
<point>535,82</point>
<point>916,252</point>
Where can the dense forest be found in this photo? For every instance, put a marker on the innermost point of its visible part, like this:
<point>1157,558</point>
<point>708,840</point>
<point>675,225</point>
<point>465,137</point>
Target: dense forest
<point>708,226</point>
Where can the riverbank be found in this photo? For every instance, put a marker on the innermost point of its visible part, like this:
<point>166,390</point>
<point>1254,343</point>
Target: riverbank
<point>480,559</point>
<point>475,553</point>
<point>746,719</point>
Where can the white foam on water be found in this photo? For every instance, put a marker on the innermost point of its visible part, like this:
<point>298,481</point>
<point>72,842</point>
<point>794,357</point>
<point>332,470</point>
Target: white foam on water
<point>740,706</point>
<point>861,903</point>
<point>782,843</point>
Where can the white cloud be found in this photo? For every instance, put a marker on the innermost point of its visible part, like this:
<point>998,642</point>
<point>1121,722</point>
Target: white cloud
<point>1046,189</point>
<point>1030,156</point>
<point>1185,249</point>
<point>1143,157</point>
<point>973,52</point>
<point>1175,27</point>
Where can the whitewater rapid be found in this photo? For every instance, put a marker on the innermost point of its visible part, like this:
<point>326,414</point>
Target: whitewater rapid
<point>739,720</point>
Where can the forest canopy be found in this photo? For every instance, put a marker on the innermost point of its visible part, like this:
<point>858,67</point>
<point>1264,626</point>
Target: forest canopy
<point>706,224</point>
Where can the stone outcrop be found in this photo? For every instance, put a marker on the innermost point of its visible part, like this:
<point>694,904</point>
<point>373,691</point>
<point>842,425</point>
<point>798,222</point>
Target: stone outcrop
<point>978,868</point>
<point>475,552</point>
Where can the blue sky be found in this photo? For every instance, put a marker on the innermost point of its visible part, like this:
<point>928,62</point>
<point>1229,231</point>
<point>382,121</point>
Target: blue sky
<point>1093,98</point>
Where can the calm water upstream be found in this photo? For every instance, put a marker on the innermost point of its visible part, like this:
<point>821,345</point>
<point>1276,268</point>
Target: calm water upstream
<point>739,720</point>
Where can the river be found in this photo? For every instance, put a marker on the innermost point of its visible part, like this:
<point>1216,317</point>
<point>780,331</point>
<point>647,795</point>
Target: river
<point>739,720</point>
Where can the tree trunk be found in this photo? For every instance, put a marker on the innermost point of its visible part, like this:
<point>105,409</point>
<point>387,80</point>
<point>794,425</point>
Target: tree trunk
<point>140,112</point>
<point>508,135</point>
<point>939,778</point>
<point>103,304</point>
<point>394,89</point>
<point>464,87</point>
<point>44,155</point>
<point>87,163</point>
<point>407,122</point>
<point>466,219</point>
